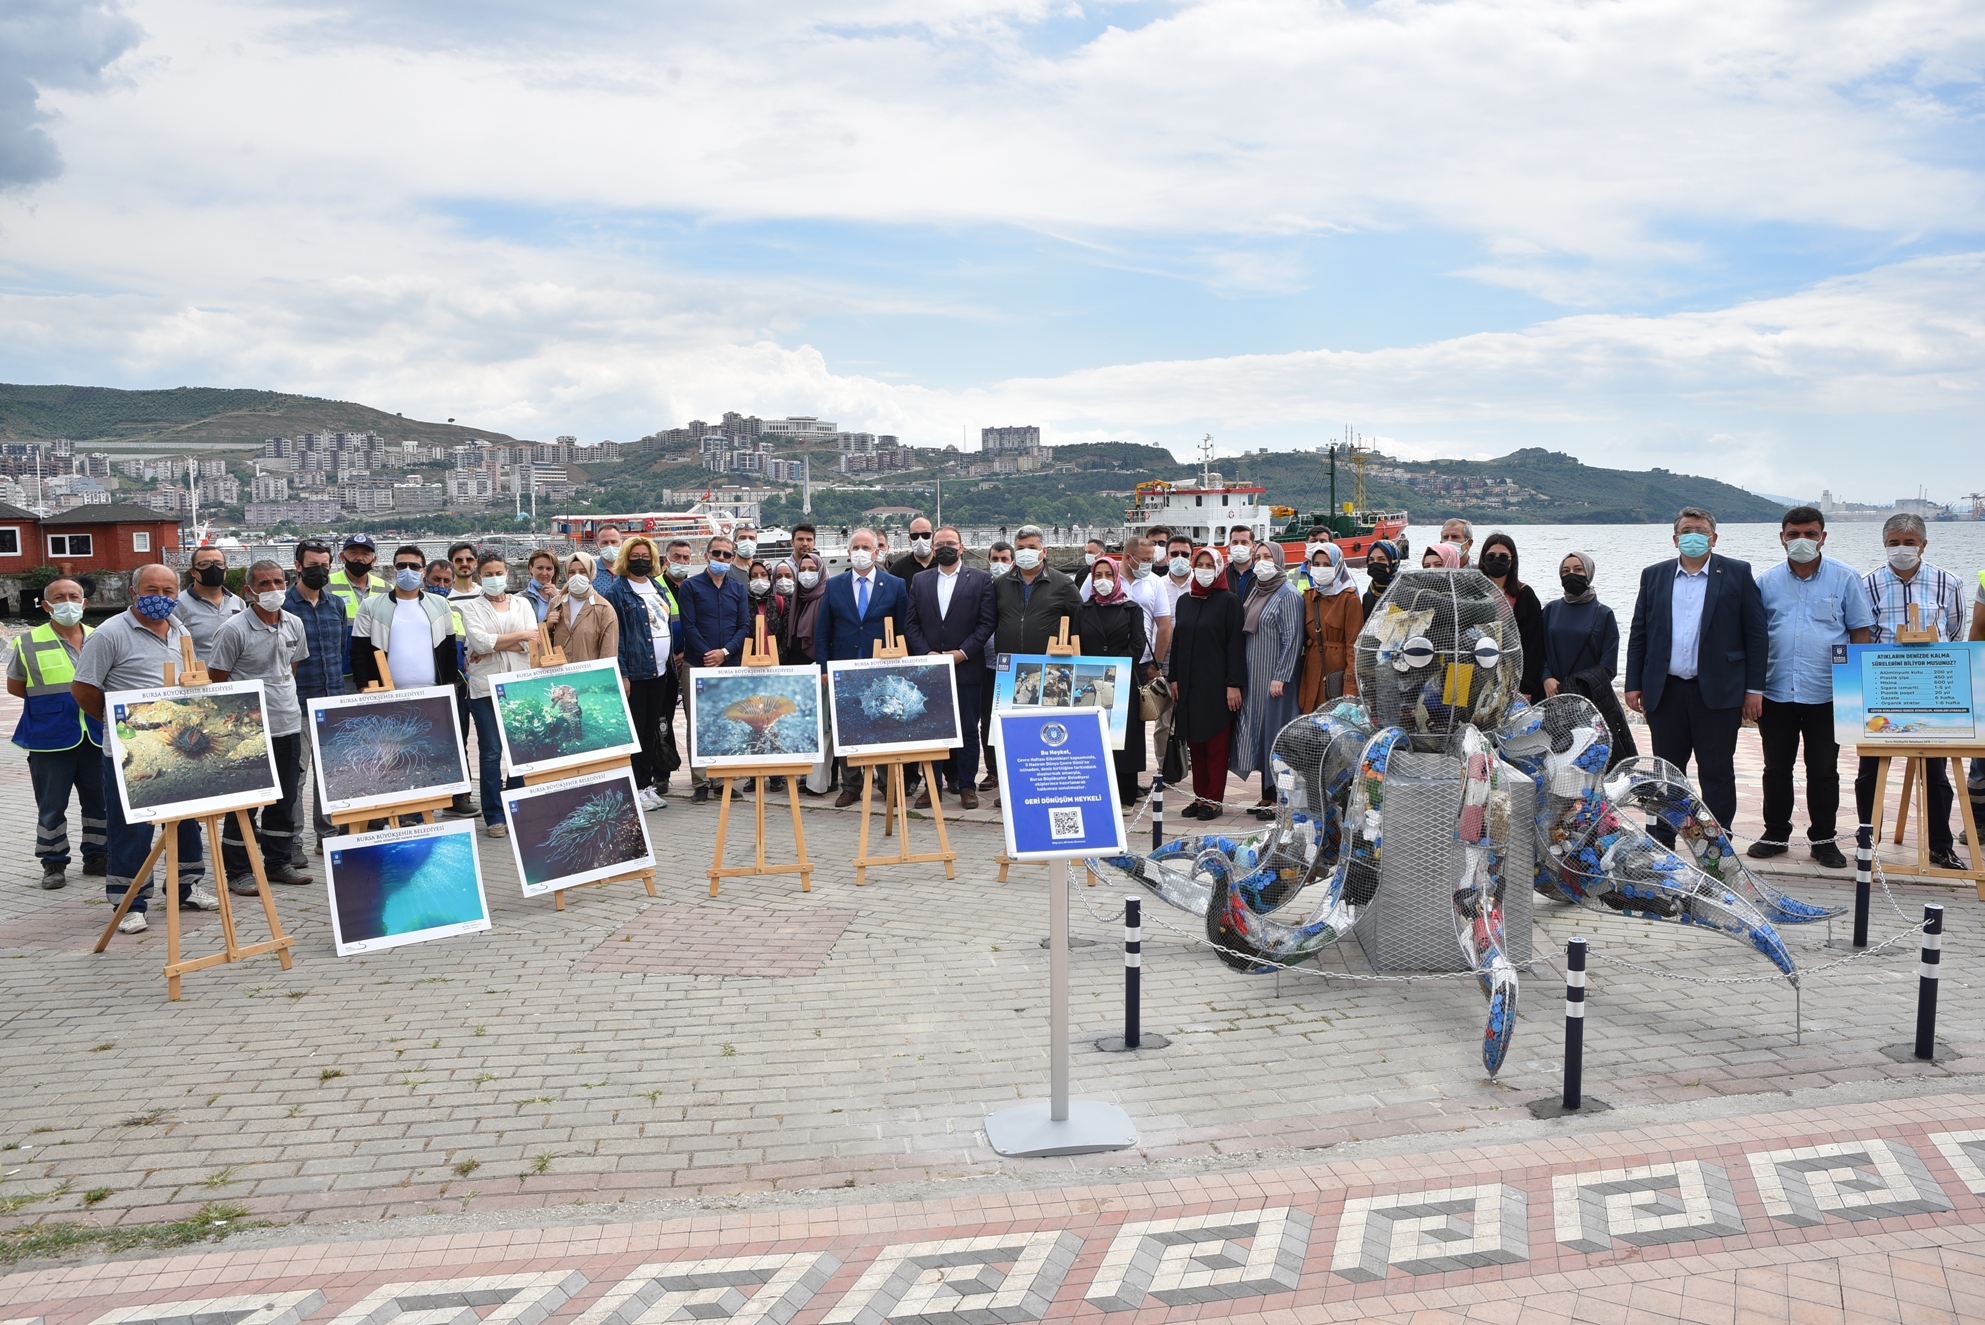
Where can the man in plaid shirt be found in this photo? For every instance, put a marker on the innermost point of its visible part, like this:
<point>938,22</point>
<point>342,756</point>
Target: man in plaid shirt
<point>1938,597</point>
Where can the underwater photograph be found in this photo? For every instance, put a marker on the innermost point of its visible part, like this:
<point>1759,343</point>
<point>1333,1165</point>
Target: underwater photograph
<point>405,885</point>
<point>193,750</point>
<point>754,715</point>
<point>561,716</point>
<point>376,749</point>
<point>576,831</point>
<point>1035,681</point>
<point>889,704</point>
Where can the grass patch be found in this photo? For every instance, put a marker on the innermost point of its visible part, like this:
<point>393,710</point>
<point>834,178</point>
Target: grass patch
<point>9,1204</point>
<point>542,1164</point>
<point>730,1051</point>
<point>210,1223</point>
<point>149,1118</point>
<point>296,993</point>
<point>96,1194</point>
<point>329,1074</point>
<point>219,1178</point>
<point>466,1167</point>
<point>99,1048</point>
<point>538,1099</point>
<point>482,1030</point>
<point>481,1077</point>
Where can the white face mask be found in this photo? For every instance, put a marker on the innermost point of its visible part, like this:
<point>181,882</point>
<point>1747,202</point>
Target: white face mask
<point>1320,572</point>
<point>809,578</point>
<point>747,548</point>
<point>1140,569</point>
<point>861,559</point>
<point>1027,558</point>
<point>1088,558</point>
<point>759,588</point>
<point>920,547</point>
<point>1803,550</point>
<point>271,601</point>
<point>578,586</point>
<point>680,570</point>
<point>1179,567</point>
<point>1904,557</point>
<point>1103,588</point>
<point>1205,575</point>
<point>65,614</point>
<point>495,586</point>
<point>998,568</point>
<point>784,586</point>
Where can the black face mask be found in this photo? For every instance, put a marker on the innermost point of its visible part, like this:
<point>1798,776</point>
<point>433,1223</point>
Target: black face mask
<point>315,577</point>
<point>213,577</point>
<point>1495,563</point>
<point>358,570</point>
<point>1380,572</point>
<point>640,566</point>
<point>1575,585</point>
<point>947,555</point>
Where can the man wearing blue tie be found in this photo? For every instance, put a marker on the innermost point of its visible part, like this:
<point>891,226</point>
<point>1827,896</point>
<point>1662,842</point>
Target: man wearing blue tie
<point>852,612</point>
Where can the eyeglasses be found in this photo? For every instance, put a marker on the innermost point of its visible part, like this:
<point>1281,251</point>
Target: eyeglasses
<point>720,556</point>
<point>408,565</point>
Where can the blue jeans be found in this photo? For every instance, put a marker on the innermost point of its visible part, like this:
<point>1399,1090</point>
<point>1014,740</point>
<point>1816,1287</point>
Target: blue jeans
<point>129,844</point>
<point>489,759</point>
<point>54,773</point>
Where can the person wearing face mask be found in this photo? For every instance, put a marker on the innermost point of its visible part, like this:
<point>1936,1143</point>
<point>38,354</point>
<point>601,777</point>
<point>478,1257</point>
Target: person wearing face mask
<point>922,555</point>
<point>1939,599</point>
<point>1240,560</point>
<point>1498,562</point>
<point>767,604</point>
<point>744,542</point>
<point>808,577</point>
<point>320,673</point>
<point>646,617</point>
<point>65,748</point>
<point>1696,659</point>
<point>206,605</point>
<point>1460,535</point>
<point>582,622</point>
<point>1582,649</point>
<point>1031,602</point>
<point>1178,569</point>
<point>265,643</point>
<point>1811,603</point>
<point>1272,621</point>
<point>413,629</point>
<point>1441,556</point>
<point>1092,549</point>
<point>1381,564</point>
<point>606,544</point>
<point>952,615</point>
<point>1112,626</point>
<point>1209,674</point>
<point>1332,618</point>
<point>716,617</point>
<point>999,564</point>
<point>129,652</point>
<point>501,627</point>
<point>353,582</point>
<point>851,616</point>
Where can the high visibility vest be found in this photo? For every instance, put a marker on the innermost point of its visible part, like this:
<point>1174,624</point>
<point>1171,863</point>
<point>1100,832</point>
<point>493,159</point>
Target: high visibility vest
<point>350,594</point>
<point>51,719</point>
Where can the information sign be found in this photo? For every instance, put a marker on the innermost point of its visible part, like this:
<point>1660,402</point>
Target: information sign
<point>1058,784</point>
<point>1909,694</point>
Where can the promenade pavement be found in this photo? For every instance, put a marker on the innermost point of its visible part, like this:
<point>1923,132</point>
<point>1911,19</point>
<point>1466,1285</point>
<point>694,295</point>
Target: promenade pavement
<point>550,1121</point>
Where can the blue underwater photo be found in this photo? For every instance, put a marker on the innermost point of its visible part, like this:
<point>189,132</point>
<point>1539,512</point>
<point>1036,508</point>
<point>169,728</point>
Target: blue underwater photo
<point>385,893</point>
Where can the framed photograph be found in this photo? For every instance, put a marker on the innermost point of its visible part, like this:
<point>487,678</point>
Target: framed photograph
<point>561,717</point>
<point>882,705</point>
<point>181,751</point>
<point>386,748</point>
<point>1030,681</point>
<point>577,830</point>
<point>754,716</point>
<point>404,885</point>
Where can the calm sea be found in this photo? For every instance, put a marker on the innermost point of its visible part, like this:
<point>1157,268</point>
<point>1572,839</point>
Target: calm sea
<point>1623,550</point>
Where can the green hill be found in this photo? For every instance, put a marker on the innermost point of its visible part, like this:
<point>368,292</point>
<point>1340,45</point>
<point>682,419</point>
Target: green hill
<point>191,417</point>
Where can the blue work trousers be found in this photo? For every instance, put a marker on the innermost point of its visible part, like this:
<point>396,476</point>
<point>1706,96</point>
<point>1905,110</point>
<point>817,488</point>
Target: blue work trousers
<point>130,842</point>
<point>55,773</point>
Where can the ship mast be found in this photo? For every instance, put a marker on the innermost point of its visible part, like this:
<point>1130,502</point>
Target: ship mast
<point>1206,461</point>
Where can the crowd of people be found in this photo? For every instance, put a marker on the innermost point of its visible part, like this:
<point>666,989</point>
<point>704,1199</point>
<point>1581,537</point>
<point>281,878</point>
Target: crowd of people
<point>1227,642</point>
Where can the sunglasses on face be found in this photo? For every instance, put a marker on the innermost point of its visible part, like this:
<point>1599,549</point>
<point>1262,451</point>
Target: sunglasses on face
<point>720,556</point>
<point>407,565</point>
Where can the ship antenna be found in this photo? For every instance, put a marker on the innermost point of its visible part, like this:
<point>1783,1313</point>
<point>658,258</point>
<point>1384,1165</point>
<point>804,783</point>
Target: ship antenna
<point>1206,461</point>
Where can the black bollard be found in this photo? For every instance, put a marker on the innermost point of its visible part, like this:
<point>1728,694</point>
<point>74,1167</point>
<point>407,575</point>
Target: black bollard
<point>1574,1022</point>
<point>1926,985</point>
<point>1157,813</point>
<point>1133,1036</point>
<point>1864,861</point>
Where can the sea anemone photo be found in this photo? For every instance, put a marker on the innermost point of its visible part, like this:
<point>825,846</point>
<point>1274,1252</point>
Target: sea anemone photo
<point>191,750</point>
<point>577,830</point>
<point>386,747</point>
<point>561,717</point>
<point>883,705</point>
<point>760,716</point>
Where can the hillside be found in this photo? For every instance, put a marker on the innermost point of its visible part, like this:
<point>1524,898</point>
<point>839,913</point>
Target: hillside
<point>194,417</point>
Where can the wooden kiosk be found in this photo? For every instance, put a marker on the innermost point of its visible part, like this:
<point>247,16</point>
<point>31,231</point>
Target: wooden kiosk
<point>192,673</point>
<point>759,652</point>
<point>895,800</point>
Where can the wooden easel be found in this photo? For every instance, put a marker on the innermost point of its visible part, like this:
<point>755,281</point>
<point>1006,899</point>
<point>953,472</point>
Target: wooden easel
<point>759,652</point>
<point>543,654</point>
<point>895,797</point>
<point>350,820</point>
<point>193,673</point>
<point>1063,645</point>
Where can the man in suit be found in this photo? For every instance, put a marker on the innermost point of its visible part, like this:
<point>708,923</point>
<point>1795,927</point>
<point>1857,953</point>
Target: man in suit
<point>716,614</point>
<point>1031,601</point>
<point>952,613</point>
<point>852,612</point>
<point>1696,658</point>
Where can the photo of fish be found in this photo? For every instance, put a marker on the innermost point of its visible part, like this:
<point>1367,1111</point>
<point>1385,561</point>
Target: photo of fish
<point>1025,681</point>
<point>883,705</point>
<point>182,751</point>
<point>405,885</point>
<point>577,830</point>
<point>560,717</point>
<point>386,747</point>
<point>754,716</point>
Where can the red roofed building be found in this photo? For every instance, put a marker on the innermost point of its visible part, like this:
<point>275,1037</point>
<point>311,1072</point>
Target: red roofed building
<point>122,537</point>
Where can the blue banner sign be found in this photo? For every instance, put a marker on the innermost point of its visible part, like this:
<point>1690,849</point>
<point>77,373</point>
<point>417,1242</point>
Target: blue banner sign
<point>1058,784</point>
<point>1909,694</point>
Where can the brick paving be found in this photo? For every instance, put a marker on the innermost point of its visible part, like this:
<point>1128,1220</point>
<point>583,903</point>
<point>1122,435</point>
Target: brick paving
<point>494,1092</point>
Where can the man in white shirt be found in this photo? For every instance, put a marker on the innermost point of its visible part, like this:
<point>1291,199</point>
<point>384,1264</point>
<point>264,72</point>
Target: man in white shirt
<point>1178,569</point>
<point>1149,593</point>
<point>952,615</point>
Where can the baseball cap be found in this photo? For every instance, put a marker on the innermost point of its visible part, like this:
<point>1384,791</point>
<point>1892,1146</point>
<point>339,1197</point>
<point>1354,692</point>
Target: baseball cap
<point>361,540</point>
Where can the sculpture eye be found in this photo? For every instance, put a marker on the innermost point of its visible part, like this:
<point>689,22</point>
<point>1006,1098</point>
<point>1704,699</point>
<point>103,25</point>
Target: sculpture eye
<point>1487,653</point>
<point>1417,652</point>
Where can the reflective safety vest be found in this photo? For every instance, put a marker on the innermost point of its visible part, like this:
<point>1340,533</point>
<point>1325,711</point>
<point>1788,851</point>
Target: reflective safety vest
<point>341,587</point>
<point>51,719</point>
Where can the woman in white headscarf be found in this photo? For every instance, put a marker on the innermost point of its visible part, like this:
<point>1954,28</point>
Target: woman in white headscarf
<point>1332,617</point>
<point>582,623</point>
<point>1272,621</point>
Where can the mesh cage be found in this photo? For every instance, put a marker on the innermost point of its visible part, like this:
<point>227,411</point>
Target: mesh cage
<point>1438,652</point>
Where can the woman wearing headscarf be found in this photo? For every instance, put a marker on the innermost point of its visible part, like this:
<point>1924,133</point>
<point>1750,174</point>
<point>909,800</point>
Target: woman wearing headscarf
<point>1381,564</point>
<point>1498,561</point>
<point>1272,621</point>
<point>581,621</point>
<point>1582,648</point>
<point>1441,556</point>
<point>1111,625</point>
<point>765,602</point>
<point>1332,618</point>
<point>798,646</point>
<point>1209,674</point>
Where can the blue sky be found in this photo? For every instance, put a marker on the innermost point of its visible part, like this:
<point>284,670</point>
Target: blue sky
<point>1739,240</point>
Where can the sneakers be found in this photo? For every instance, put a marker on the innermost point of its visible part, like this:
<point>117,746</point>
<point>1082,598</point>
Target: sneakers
<point>55,876</point>
<point>199,899</point>
<point>1766,850</point>
<point>498,830</point>
<point>652,801</point>
<point>243,885</point>
<point>133,923</point>
<point>286,874</point>
<point>98,867</point>
<point>1828,854</point>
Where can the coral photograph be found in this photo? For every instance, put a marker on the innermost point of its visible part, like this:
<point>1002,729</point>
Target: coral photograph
<point>1034,681</point>
<point>575,831</point>
<point>882,705</point>
<point>386,747</point>
<point>405,885</point>
<point>560,717</point>
<point>754,716</point>
<point>191,750</point>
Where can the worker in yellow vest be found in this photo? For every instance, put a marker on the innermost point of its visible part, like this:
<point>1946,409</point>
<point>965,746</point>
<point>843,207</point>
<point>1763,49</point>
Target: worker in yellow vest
<point>65,747</point>
<point>354,583</point>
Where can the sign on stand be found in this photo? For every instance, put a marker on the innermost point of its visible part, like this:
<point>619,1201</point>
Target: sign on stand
<point>1058,801</point>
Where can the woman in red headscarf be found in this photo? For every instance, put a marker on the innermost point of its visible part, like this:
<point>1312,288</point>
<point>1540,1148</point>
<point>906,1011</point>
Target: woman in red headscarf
<point>1209,674</point>
<point>1111,625</point>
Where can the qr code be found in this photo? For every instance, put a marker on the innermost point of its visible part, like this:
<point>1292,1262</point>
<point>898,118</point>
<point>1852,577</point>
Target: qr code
<point>1064,824</point>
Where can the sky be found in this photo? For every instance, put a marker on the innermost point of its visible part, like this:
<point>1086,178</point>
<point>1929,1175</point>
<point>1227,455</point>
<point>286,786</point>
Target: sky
<point>1744,240</point>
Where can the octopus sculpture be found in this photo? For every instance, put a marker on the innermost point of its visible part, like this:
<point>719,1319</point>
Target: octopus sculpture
<point>1437,666</point>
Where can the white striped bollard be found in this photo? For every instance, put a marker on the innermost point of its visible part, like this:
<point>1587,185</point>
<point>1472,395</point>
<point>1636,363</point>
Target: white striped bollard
<point>1574,1023</point>
<point>1133,1036</point>
<point>1157,813</point>
<point>1864,864</point>
<point>1926,984</point>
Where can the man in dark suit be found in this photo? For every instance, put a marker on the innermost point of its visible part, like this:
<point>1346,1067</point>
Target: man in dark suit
<point>951,612</point>
<point>1696,658</point>
<point>1031,601</point>
<point>715,615</point>
<point>852,612</point>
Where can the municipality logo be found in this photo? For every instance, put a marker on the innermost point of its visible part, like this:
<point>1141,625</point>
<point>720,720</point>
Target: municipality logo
<point>1053,734</point>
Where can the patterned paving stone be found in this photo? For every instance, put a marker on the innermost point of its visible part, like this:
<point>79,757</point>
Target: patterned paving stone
<point>1209,1258</point>
<point>1965,1152</point>
<point>518,1299</point>
<point>1431,1232</point>
<point>1644,1207</point>
<point>962,1281</point>
<point>251,1309</point>
<point>744,1290</point>
<point>1870,1179</point>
